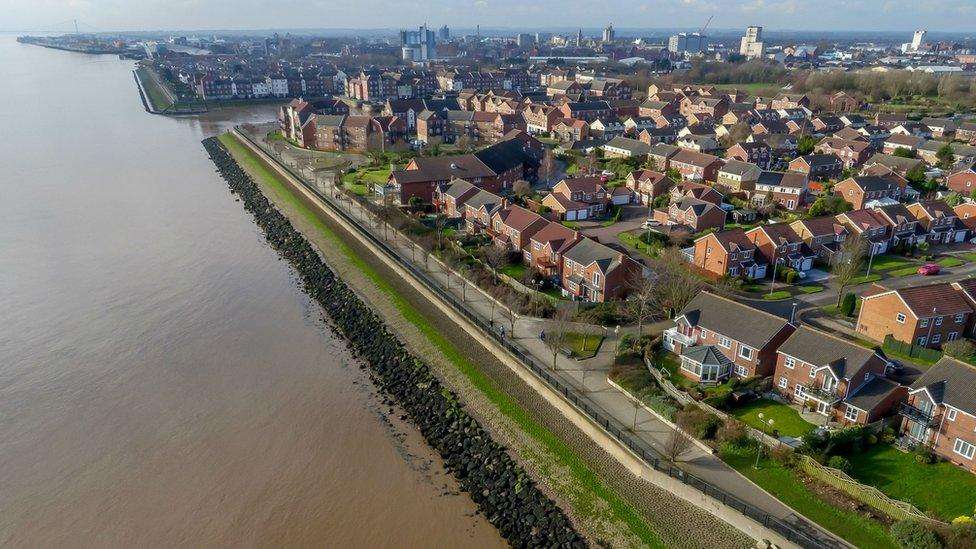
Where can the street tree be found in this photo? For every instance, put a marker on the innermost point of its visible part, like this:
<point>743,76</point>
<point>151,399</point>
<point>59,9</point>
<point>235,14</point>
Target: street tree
<point>556,332</point>
<point>848,264</point>
<point>640,303</point>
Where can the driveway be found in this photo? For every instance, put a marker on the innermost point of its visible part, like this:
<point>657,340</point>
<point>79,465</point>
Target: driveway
<point>631,218</point>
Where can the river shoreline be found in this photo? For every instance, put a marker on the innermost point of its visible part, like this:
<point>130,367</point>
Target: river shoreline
<point>498,485</point>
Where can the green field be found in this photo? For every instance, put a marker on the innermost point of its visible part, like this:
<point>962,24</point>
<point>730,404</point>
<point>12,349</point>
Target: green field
<point>157,97</point>
<point>583,345</point>
<point>949,262</point>
<point>888,261</point>
<point>941,488</point>
<point>589,495</point>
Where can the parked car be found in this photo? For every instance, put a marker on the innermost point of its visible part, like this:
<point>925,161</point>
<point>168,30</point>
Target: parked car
<point>650,223</point>
<point>928,269</point>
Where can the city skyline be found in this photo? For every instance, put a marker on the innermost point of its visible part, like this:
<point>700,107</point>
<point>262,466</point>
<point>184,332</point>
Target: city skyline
<point>773,15</point>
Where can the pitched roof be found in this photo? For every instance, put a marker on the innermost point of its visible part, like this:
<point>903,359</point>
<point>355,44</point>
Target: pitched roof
<point>872,183</point>
<point>588,251</point>
<point>818,348</point>
<point>559,237</point>
<point>782,179</point>
<point>732,240</point>
<point>873,393</point>
<point>951,382</point>
<point>814,160</point>
<point>943,299</point>
<point>708,355</point>
<point>732,319</point>
<point>737,167</point>
<point>634,146</point>
<point>826,224</point>
<point>694,158</point>
<point>697,206</point>
<point>520,218</point>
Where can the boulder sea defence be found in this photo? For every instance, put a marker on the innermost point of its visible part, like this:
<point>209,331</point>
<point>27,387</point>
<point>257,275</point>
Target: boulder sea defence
<point>502,490</point>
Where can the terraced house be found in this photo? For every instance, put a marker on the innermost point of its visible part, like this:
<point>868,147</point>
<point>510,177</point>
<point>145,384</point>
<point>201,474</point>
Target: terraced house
<point>941,412</point>
<point>745,337</point>
<point>939,221</point>
<point>844,382</point>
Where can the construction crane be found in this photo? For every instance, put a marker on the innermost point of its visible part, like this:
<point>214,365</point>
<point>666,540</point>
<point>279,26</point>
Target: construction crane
<point>701,31</point>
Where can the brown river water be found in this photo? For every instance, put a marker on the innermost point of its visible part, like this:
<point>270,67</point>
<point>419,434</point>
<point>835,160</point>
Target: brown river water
<point>163,381</point>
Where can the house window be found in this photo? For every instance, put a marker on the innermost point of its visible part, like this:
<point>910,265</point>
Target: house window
<point>959,318</point>
<point>936,338</point>
<point>799,391</point>
<point>704,334</point>
<point>733,257</point>
<point>813,371</point>
<point>964,448</point>
<point>952,336</point>
<point>724,342</point>
<point>783,382</point>
<point>789,362</point>
<point>951,414</point>
<point>596,279</point>
<point>921,341</point>
<point>938,321</point>
<point>745,352</point>
<point>741,371</point>
<point>851,413</point>
<point>924,322</point>
<point>900,317</point>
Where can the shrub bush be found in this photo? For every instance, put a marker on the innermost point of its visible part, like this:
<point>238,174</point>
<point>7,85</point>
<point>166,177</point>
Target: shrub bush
<point>784,455</point>
<point>923,455</point>
<point>791,277</point>
<point>888,435</point>
<point>911,534</point>
<point>699,423</point>
<point>848,304</point>
<point>733,433</point>
<point>839,462</point>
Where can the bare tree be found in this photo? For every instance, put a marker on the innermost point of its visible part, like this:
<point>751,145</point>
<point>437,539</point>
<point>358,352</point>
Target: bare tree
<point>556,332</point>
<point>495,257</point>
<point>547,167</point>
<point>440,221</point>
<point>674,286</point>
<point>521,188</point>
<point>640,303</point>
<point>850,259</point>
<point>678,443</point>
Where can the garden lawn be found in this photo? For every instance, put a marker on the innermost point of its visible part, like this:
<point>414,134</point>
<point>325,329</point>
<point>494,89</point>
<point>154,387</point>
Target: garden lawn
<point>785,419</point>
<point>358,188</point>
<point>779,294</point>
<point>970,256</point>
<point>907,271</point>
<point>866,278</point>
<point>515,270</point>
<point>376,175</point>
<point>810,289</point>
<point>888,261</point>
<point>940,488</point>
<point>785,486</point>
<point>632,240</point>
<point>949,262</point>
<point>583,345</point>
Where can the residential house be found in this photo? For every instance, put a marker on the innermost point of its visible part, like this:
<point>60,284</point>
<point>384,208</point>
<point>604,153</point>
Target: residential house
<point>780,245</point>
<point>929,152</point>
<point>748,338</point>
<point>917,129</point>
<point>926,316</point>
<point>940,412</point>
<point>547,247</point>
<point>966,212</point>
<point>625,147</point>
<point>567,129</point>
<point>756,153</point>
<point>903,227</point>
<point>696,190</point>
<point>697,215</point>
<point>738,176</point>
<point>824,236</point>
<point>660,155</point>
<point>869,225</point>
<point>591,191</point>
<point>597,273</point>
<point>859,191</point>
<point>648,185</point>
<point>539,119</point>
<point>966,131</point>
<point>818,167</point>
<point>845,382</point>
<point>940,127</point>
<point>729,253</point>
<point>695,166</point>
<point>586,110</point>
<point>901,141</point>
<point>788,189</point>
<point>479,209</point>
<point>512,227</point>
<point>852,153</point>
<point>898,164</point>
<point>939,221</point>
<point>449,199</point>
<point>790,101</point>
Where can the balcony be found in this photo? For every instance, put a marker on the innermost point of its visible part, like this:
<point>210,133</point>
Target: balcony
<point>917,415</point>
<point>679,337</point>
<point>818,393</point>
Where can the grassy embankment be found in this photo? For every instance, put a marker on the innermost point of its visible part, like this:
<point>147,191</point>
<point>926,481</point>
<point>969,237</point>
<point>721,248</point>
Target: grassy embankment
<point>158,99</point>
<point>591,493</point>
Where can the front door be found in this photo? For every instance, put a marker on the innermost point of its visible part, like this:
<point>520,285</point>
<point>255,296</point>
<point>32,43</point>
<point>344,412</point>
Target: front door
<point>917,431</point>
<point>823,408</point>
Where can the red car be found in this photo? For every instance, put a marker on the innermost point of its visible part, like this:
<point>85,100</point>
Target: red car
<point>928,269</point>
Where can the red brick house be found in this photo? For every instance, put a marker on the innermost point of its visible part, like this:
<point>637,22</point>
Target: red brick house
<point>780,245</point>
<point>842,381</point>
<point>962,180</point>
<point>859,190</point>
<point>479,209</point>
<point>587,110</point>
<point>966,213</point>
<point>729,253</point>
<point>449,199</point>
<point>870,225</point>
<point>695,166</point>
<point>939,221</point>
<point>591,191</point>
<point>851,152</point>
<point>513,226</point>
<point>695,214</point>
<point>926,316</point>
<point>788,189</point>
<point>941,412</point>
<point>818,167</point>
<point>755,153</point>
<point>746,337</point>
<point>696,190</point>
<point>823,235</point>
<point>596,273</point>
<point>546,249</point>
<point>648,185</point>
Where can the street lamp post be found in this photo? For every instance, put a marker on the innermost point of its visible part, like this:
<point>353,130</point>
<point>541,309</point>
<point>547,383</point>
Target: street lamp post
<point>769,422</point>
<point>928,336</point>
<point>870,259</point>
<point>772,284</point>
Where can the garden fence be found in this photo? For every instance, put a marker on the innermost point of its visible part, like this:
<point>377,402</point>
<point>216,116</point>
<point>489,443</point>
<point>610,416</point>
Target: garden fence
<point>907,349</point>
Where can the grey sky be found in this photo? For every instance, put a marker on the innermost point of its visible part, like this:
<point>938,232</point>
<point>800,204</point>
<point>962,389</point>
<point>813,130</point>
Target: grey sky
<point>105,15</point>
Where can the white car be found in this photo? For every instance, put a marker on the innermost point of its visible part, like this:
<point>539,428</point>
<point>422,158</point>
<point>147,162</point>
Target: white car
<point>608,173</point>
<point>650,223</point>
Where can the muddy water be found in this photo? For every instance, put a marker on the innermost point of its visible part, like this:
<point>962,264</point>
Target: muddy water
<point>163,381</point>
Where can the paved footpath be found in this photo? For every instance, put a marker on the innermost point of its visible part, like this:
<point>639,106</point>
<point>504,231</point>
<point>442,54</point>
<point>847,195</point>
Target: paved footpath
<point>653,433</point>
